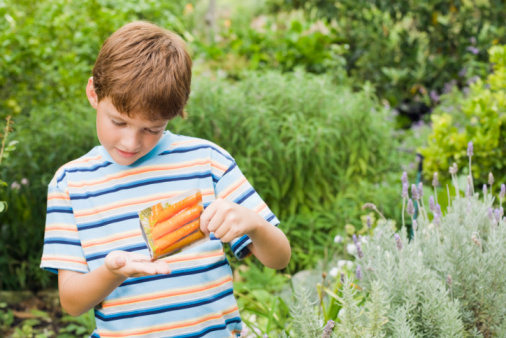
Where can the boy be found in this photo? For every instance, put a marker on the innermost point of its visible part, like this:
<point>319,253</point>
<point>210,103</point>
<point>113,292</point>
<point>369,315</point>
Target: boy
<point>141,80</point>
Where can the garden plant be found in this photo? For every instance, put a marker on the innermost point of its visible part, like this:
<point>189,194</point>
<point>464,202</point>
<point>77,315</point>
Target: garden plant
<point>311,86</point>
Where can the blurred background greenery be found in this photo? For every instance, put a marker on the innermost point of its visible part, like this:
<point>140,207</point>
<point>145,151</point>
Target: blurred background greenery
<point>322,103</point>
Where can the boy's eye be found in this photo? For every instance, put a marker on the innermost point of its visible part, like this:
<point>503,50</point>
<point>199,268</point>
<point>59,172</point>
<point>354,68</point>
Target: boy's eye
<point>118,123</point>
<point>155,132</point>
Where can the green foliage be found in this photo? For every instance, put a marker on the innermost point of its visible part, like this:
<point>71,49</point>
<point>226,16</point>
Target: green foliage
<point>480,117</point>
<point>81,326</point>
<point>409,47</point>
<point>257,290</point>
<point>49,47</point>
<point>5,149</point>
<point>286,41</point>
<point>309,148</point>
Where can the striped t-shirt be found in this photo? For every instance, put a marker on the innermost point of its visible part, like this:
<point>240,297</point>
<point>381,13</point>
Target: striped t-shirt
<point>92,209</point>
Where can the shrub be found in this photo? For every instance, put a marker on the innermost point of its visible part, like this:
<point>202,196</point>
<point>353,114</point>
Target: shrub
<point>408,48</point>
<point>308,146</point>
<point>479,116</point>
<point>49,47</point>
<point>445,279</point>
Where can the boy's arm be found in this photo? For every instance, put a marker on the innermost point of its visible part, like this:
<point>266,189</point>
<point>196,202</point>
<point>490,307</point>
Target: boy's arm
<point>80,292</point>
<point>229,220</point>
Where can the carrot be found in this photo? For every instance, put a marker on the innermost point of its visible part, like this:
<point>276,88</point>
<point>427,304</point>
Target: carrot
<point>155,211</point>
<point>173,223</point>
<point>173,209</point>
<point>176,235</point>
<point>181,243</point>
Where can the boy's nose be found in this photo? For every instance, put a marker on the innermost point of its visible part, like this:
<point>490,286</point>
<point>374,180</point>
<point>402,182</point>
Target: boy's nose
<point>131,140</point>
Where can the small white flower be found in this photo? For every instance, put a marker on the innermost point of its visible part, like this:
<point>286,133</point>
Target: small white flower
<point>334,272</point>
<point>15,186</point>
<point>351,248</point>
<point>364,240</point>
<point>341,263</point>
<point>349,265</point>
<point>25,181</point>
<point>338,239</point>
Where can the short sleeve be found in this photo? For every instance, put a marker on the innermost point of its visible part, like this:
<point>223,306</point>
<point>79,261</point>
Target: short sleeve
<point>233,186</point>
<point>62,245</point>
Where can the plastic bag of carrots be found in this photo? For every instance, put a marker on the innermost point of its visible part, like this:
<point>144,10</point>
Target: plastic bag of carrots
<point>173,225</point>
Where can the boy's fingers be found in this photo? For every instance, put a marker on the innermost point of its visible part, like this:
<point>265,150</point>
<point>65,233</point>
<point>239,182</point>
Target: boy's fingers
<point>207,215</point>
<point>120,262</point>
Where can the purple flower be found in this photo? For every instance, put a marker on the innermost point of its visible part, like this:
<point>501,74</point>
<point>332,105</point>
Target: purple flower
<point>448,86</point>
<point>470,149</point>
<point>435,180</point>
<point>404,178</point>
<point>490,179</point>
<point>472,40</point>
<point>420,189</point>
<point>368,221</point>
<point>436,220</point>
<point>342,278</point>
<point>358,272</point>
<point>473,50</point>
<point>434,96</point>
<point>414,192</point>
<point>463,72</point>
<point>411,208</point>
<point>354,237</point>
<point>405,188</point>
<point>449,280</point>
<point>327,330</point>
<point>360,253</point>
<point>432,205</point>
<point>398,242</point>
<point>473,80</point>
<point>490,214</point>
<point>503,191</point>
<point>497,215</point>
<point>485,191</point>
<point>438,211</point>
<point>415,225</point>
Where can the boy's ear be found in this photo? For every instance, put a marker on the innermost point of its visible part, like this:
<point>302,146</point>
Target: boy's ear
<point>91,94</point>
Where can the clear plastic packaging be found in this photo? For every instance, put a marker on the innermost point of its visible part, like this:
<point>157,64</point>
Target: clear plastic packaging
<point>173,225</point>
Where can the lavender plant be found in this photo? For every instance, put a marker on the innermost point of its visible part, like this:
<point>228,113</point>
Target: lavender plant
<point>447,280</point>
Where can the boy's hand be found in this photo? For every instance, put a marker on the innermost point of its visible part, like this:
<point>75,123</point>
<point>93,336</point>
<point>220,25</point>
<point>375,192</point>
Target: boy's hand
<point>131,264</point>
<point>229,220</point>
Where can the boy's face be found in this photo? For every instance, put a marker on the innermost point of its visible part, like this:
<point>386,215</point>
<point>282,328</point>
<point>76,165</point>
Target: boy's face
<point>125,138</point>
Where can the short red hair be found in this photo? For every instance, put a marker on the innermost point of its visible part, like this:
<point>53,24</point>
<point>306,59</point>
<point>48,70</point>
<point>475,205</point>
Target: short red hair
<point>145,70</point>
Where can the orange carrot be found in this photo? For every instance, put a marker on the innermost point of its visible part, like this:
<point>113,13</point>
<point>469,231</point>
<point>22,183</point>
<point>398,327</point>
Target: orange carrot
<point>155,211</point>
<point>173,223</point>
<point>176,235</point>
<point>181,243</point>
<point>173,209</point>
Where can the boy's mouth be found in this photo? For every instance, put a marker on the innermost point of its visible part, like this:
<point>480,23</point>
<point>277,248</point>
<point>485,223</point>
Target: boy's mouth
<point>125,154</point>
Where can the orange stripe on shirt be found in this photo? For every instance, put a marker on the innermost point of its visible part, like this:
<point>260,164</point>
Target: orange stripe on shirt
<point>233,188</point>
<point>60,228</point>
<point>57,196</point>
<point>135,202</point>
<point>110,239</point>
<point>178,325</point>
<point>64,259</point>
<point>133,172</point>
<point>172,293</point>
<point>183,258</point>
